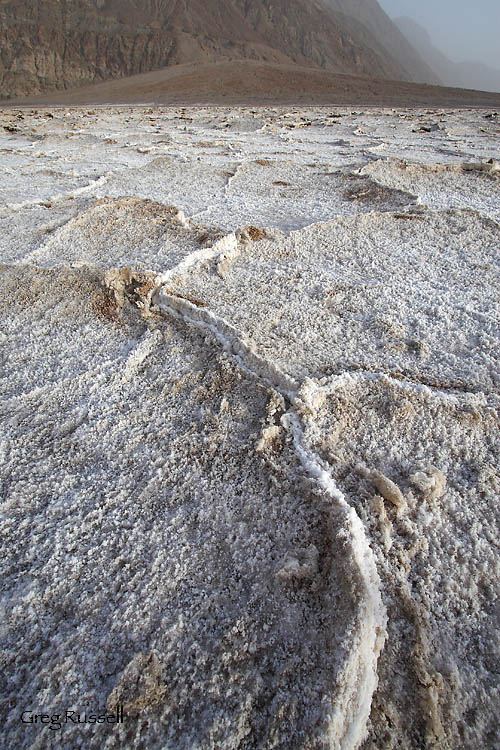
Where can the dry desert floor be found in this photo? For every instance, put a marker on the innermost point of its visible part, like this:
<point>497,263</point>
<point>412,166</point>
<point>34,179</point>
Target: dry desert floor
<point>249,439</point>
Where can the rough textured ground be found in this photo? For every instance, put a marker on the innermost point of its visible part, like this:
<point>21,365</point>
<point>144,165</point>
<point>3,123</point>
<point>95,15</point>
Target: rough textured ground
<point>249,448</point>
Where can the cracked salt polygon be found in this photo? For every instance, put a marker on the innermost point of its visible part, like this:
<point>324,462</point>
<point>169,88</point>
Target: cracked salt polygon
<point>191,424</point>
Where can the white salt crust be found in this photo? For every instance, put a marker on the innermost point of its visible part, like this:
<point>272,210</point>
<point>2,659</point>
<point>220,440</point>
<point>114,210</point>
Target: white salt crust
<point>249,445</point>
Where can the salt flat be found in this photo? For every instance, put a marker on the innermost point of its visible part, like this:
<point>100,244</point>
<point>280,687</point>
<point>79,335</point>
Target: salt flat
<point>249,447</point>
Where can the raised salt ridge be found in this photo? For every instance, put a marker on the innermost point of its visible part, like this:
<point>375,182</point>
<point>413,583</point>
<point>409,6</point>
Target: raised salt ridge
<point>249,449</point>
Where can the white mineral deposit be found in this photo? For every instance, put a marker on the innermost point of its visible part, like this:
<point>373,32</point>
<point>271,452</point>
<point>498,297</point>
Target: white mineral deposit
<point>249,438</point>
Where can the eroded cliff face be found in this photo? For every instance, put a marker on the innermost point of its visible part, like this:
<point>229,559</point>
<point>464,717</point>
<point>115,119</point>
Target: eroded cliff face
<point>42,59</point>
<point>56,44</point>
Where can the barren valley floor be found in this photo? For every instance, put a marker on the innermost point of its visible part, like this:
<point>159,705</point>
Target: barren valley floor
<point>249,447</point>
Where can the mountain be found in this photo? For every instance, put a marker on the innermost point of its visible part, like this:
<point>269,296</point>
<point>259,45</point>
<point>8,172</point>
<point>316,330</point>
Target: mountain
<point>389,36</point>
<point>470,74</point>
<point>57,44</point>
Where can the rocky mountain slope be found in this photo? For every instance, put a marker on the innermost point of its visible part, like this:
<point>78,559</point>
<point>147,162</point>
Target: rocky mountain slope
<point>390,37</point>
<point>57,44</point>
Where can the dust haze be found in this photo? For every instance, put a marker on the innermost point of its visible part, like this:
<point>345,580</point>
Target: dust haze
<point>458,40</point>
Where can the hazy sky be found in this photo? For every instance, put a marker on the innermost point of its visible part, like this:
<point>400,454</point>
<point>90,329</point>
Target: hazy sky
<point>463,30</point>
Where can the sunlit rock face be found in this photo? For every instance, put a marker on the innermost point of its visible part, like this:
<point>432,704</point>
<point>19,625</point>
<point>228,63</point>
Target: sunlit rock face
<point>249,447</point>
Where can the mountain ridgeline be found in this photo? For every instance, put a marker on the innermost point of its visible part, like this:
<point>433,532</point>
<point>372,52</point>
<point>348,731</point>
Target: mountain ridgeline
<point>468,74</point>
<point>48,45</point>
